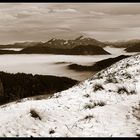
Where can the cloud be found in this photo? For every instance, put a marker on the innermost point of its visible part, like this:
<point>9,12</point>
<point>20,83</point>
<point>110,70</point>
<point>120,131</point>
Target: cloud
<point>108,8</point>
<point>23,14</point>
<point>69,10</point>
<point>40,21</point>
<point>98,13</point>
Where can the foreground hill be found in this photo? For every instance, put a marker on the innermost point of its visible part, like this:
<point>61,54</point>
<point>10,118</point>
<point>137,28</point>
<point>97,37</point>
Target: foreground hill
<point>106,105</point>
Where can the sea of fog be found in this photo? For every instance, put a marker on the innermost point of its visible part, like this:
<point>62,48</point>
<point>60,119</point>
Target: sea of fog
<point>14,49</point>
<point>50,64</point>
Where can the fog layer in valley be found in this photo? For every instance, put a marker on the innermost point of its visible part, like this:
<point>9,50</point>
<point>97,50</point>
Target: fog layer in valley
<point>48,64</point>
<point>14,49</point>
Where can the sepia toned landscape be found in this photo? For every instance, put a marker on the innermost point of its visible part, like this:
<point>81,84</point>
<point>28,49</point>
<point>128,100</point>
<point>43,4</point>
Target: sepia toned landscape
<point>69,70</point>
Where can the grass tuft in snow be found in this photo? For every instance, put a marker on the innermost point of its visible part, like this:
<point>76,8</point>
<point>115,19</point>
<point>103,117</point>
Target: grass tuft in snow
<point>127,65</point>
<point>122,90</point>
<point>111,79</point>
<point>88,117</point>
<point>93,105</point>
<point>34,114</point>
<point>136,111</point>
<point>97,87</point>
<point>86,95</point>
<point>57,95</point>
<point>138,135</point>
<point>89,106</point>
<point>127,75</point>
<point>51,131</point>
<point>132,92</point>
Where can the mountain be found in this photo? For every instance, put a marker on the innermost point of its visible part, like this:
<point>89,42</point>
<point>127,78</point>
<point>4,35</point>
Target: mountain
<point>77,46</point>
<point>58,43</point>
<point>99,65</point>
<point>59,46</point>
<point>135,47</point>
<point>106,105</point>
<point>8,52</point>
<point>124,44</point>
<point>28,44</point>
<point>68,44</point>
<point>89,50</point>
<point>77,50</point>
<point>20,45</point>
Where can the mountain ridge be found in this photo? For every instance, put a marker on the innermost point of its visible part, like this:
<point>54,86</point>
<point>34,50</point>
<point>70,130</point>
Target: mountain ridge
<point>60,45</point>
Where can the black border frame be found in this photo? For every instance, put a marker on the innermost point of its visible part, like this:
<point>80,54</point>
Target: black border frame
<point>69,1</point>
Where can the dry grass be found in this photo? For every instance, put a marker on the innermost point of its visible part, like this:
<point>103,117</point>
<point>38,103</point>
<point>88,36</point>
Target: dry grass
<point>34,114</point>
<point>93,105</point>
<point>51,131</point>
<point>97,87</point>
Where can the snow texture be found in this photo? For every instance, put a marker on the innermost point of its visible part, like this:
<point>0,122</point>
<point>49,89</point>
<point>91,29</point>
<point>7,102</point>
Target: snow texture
<point>106,105</point>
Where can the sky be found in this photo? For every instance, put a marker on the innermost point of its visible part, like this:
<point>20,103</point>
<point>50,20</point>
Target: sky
<point>21,22</point>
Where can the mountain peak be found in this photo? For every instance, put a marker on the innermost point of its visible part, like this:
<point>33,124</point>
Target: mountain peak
<point>80,37</point>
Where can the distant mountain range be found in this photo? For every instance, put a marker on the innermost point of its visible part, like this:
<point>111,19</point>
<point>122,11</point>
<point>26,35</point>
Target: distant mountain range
<point>58,43</point>
<point>80,44</point>
<point>131,45</point>
<point>21,45</point>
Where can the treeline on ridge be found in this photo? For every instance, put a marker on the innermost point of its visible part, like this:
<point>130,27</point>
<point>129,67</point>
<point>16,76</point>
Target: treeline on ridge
<point>21,85</point>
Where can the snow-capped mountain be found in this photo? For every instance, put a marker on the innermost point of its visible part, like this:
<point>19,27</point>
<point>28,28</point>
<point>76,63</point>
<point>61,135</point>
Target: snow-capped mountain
<point>69,44</point>
<point>106,105</point>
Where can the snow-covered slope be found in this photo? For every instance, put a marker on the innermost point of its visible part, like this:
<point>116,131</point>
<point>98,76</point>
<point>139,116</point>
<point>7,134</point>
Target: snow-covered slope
<point>106,105</point>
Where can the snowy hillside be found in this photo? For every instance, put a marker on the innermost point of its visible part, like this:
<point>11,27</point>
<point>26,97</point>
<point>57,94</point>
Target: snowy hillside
<point>106,105</point>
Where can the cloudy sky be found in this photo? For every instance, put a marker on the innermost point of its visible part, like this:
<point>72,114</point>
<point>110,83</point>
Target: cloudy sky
<point>43,21</point>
